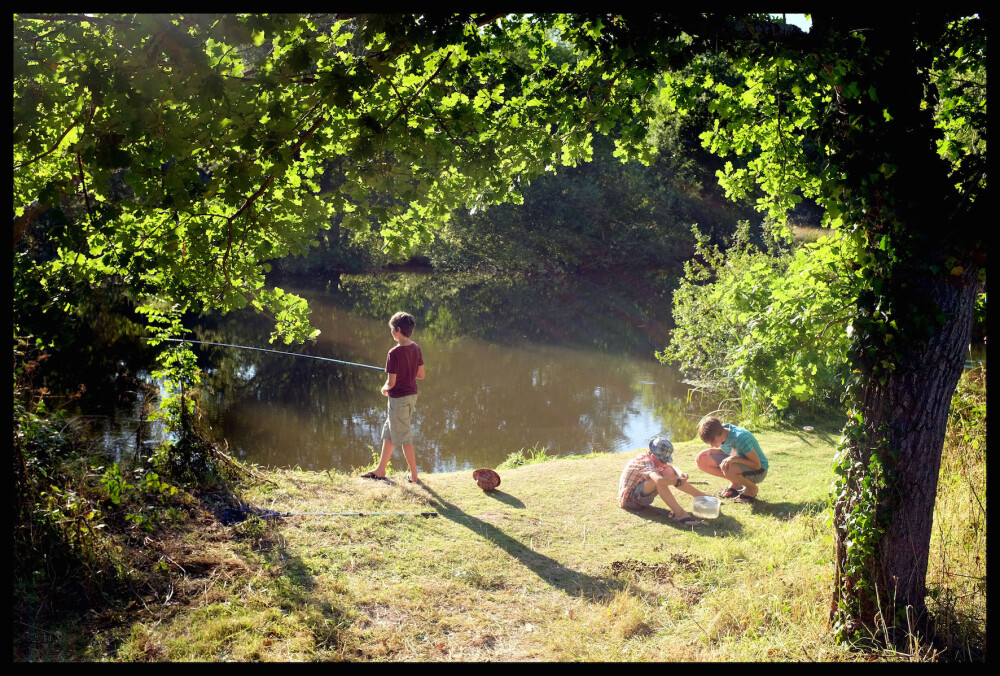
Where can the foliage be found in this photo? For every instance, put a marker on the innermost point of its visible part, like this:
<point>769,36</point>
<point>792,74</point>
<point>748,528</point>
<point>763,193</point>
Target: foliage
<point>173,157</point>
<point>78,515</point>
<point>524,456</point>
<point>167,140</point>
<point>60,538</point>
<point>468,305</point>
<point>591,217</point>
<point>851,115</point>
<point>766,327</point>
<point>959,75</point>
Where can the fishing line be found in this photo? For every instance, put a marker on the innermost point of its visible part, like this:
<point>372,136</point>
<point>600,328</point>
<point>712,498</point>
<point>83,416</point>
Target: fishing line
<point>261,349</point>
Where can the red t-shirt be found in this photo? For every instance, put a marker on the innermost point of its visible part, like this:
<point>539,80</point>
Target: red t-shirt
<point>403,360</point>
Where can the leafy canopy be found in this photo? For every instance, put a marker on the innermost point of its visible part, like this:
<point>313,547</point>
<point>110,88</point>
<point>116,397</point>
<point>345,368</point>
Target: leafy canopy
<point>177,153</point>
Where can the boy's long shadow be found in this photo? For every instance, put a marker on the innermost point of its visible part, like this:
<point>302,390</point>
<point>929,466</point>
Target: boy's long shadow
<point>548,569</point>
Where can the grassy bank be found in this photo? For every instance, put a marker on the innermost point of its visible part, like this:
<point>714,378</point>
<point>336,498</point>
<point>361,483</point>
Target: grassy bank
<point>545,568</point>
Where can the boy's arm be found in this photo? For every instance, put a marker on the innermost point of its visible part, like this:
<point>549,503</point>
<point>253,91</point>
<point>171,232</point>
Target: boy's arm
<point>750,460</point>
<point>420,372</point>
<point>671,474</point>
<point>390,382</point>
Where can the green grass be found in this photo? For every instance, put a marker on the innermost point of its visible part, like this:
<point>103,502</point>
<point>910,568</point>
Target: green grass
<point>547,568</point>
<point>805,234</point>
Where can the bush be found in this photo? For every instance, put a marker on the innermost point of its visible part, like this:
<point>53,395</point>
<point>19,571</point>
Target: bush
<point>522,457</point>
<point>763,325</point>
<point>59,539</point>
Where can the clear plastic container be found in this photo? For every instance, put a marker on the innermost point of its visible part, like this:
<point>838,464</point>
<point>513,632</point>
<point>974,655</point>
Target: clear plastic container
<point>706,507</point>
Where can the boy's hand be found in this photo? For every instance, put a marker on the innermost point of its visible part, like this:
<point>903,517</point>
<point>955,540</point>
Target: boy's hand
<point>385,390</point>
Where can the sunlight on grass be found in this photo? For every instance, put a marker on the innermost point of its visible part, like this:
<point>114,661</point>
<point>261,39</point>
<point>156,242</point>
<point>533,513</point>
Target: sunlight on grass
<point>805,234</point>
<point>531,572</point>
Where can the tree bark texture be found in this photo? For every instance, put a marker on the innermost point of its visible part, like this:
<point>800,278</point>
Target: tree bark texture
<point>905,419</point>
<point>916,323</point>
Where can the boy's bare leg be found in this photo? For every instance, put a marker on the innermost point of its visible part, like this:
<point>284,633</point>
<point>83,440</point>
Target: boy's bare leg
<point>383,461</point>
<point>663,490</point>
<point>706,463</point>
<point>750,489</point>
<point>735,476</point>
<point>411,460</point>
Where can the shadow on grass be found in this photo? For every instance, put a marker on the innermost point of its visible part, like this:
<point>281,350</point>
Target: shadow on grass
<point>723,526</point>
<point>505,498</point>
<point>816,437</point>
<point>786,511</point>
<point>548,569</point>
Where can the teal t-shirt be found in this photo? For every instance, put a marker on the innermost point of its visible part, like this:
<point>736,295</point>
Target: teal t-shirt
<point>743,442</point>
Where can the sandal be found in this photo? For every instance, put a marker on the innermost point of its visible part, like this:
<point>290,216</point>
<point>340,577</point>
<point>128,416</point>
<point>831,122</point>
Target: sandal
<point>689,521</point>
<point>729,493</point>
<point>412,480</point>
<point>373,475</point>
<point>744,498</point>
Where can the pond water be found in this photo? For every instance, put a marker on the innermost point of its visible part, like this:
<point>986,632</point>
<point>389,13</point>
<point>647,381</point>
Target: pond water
<point>565,365</point>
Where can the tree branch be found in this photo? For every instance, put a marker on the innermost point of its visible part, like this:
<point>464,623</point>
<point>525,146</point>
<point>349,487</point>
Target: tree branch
<point>93,109</point>
<point>254,197</point>
<point>416,94</point>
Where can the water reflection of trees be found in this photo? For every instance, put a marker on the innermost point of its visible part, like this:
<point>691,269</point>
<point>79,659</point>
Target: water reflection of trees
<point>622,311</point>
<point>509,366</point>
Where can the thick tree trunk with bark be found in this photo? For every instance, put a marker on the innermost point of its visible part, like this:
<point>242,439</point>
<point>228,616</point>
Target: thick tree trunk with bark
<point>917,403</point>
<point>915,319</point>
<point>905,420</point>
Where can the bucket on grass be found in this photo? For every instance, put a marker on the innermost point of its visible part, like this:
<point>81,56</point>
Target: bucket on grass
<point>706,506</point>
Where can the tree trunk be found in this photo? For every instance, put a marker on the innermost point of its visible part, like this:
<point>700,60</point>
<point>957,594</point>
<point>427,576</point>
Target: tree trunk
<point>881,561</point>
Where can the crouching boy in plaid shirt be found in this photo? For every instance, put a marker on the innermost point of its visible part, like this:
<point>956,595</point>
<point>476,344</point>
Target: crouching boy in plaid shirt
<point>650,474</point>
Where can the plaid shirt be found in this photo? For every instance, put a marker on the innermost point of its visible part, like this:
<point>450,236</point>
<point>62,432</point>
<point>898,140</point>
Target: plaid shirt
<point>635,472</point>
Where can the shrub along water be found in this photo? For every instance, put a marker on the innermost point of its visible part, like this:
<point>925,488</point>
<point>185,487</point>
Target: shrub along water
<point>763,325</point>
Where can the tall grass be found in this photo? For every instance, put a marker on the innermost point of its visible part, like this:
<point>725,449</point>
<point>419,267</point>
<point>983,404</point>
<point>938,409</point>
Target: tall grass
<point>956,575</point>
<point>526,456</point>
<point>805,234</point>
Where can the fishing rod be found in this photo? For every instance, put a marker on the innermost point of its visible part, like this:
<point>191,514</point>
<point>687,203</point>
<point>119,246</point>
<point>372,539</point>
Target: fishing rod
<point>261,349</point>
<point>426,515</point>
<point>242,513</point>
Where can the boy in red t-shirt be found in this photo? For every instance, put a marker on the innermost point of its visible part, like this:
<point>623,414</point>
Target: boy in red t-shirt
<point>405,365</point>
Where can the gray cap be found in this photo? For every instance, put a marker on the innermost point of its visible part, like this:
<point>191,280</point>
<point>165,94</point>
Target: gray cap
<point>662,449</point>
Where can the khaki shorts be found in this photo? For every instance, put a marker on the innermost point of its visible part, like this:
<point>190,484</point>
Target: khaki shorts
<point>755,475</point>
<point>638,500</point>
<point>397,428</point>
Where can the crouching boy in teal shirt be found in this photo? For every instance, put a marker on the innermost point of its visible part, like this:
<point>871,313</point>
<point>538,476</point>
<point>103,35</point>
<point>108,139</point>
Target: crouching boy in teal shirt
<point>734,454</point>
